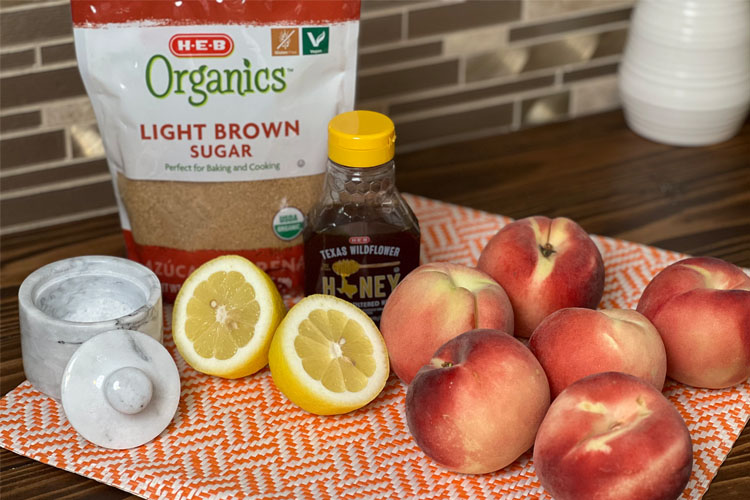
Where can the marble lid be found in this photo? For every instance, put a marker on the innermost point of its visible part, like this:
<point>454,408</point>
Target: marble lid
<point>120,389</point>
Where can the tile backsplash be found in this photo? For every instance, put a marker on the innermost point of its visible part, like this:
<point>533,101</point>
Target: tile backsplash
<point>444,70</point>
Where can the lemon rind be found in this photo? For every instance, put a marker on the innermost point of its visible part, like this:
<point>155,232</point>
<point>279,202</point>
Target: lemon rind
<point>310,394</point>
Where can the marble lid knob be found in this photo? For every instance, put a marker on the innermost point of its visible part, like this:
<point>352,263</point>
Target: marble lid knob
<point>128,390</point>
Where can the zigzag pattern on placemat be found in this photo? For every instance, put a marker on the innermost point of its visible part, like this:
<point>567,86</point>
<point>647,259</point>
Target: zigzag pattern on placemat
<point>242,439</point>
<point>629,268</point>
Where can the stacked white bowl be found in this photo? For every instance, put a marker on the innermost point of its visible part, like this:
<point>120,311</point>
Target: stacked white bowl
<point>685,74</point>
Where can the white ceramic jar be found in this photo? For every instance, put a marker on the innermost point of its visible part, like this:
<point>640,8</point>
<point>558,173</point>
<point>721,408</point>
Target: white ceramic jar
<point>685,74</point>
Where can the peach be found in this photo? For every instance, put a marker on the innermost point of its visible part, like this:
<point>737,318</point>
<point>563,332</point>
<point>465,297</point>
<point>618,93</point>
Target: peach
<point>475,408</point>
<point>575,342</point>
<point>612,436</point>
<point>544,265</point>
<point>433,304</point>
<point>701,308</point>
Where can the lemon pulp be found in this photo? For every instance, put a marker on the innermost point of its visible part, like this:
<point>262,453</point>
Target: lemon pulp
<point>328,357</point>
<point>335,351</point>
<point>224,317</point>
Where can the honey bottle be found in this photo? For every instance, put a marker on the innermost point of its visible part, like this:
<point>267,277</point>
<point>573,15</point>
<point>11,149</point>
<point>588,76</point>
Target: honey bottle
<point>361,238</point>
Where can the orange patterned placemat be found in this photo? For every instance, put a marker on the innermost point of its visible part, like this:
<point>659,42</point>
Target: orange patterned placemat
<point>243,439</point>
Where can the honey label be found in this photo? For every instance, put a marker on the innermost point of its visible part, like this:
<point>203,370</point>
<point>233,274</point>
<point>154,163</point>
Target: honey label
<point>362,269</point>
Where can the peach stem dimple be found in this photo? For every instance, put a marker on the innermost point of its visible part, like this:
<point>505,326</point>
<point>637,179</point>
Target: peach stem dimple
<point>547,249</point>
<point>439,363</point>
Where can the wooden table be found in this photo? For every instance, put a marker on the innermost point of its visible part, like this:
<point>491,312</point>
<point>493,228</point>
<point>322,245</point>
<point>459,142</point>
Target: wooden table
<point>593,170</point>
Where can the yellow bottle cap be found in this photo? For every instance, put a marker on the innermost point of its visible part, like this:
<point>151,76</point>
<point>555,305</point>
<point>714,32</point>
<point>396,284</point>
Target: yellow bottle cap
<point>361,139</point>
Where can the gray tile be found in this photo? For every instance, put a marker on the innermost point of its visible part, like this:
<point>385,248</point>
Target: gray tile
<point>58,53</point>
<point>590,72</point>
<point>378,5</point>
<point>469,14</point>
<point>52,175</point>
<point>503,62</point>
<point>611,43</point>
<point>40,87</point>
<point>407,80</point>
<point>568,50</point>
<point>20,121</point>
<point>30,149</point>
<point>35,23</point>
<point>475,41</point>
<point>379,30</point>
<point>453,124</point>
<point>512,87</point>
<point>55,204</point>
<point>545,109</point>
<point>576,23</point>
<point>8,4</point>
<point>68,112</point>
<point>86,142</point>
<point>16,60</point>
<point>594,96</point>
<point>537,9</point>
<point>400,54</point>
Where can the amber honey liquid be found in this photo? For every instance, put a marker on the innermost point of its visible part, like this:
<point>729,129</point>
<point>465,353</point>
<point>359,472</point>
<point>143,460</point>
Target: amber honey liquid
<point>361,262</point>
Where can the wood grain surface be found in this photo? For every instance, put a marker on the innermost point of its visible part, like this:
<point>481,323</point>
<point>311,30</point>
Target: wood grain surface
<point>593,170</point>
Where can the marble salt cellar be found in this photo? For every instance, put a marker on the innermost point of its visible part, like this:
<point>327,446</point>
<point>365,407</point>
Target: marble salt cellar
<point>91,334</point>
<point>65,303</point>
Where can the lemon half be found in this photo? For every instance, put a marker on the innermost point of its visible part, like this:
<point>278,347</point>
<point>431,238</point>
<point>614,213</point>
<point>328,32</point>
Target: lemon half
<point>224,317</point>
<point>328,357</point>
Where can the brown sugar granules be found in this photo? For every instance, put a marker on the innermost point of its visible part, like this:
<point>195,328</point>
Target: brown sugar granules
<point>214,215</point>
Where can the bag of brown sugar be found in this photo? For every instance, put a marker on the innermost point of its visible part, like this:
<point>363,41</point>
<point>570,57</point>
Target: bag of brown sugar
<point>213,116</point>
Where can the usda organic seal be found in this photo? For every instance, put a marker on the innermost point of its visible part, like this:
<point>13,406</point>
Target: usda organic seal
<point>288,223</point>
